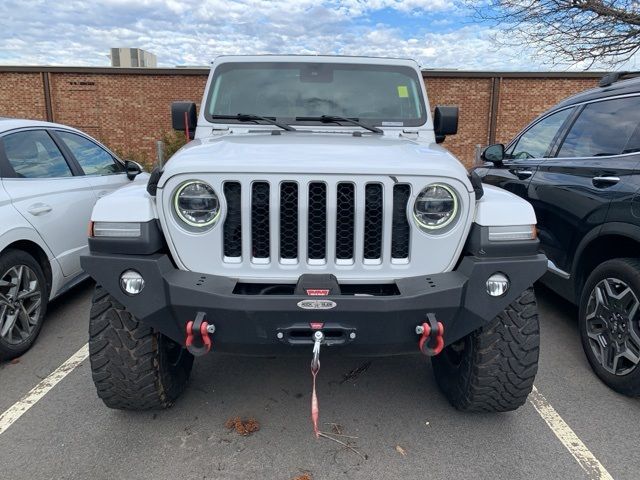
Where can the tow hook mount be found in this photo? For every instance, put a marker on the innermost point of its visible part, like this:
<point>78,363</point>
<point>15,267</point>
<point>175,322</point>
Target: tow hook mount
<point>431,334</point>
<point>198,340</point>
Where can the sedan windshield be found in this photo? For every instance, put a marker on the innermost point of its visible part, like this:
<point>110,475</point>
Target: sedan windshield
<point>300,93</point>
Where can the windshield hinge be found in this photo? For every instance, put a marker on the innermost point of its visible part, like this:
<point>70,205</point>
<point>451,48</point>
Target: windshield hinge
<point>219,131</point>
<point>412,134</point>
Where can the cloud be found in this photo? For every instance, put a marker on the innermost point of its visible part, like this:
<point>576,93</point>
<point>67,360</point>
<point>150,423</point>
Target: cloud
<point>192,32</point>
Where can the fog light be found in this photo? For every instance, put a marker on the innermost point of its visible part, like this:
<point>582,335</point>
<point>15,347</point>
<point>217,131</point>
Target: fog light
<point>497,285</point>
<point>131,282</point>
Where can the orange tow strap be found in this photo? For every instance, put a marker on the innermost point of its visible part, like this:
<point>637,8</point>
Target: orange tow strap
<point>315,368</point>
<point>315,412</point>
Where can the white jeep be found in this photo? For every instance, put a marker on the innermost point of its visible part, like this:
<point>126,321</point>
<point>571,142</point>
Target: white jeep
<point>314,207</point>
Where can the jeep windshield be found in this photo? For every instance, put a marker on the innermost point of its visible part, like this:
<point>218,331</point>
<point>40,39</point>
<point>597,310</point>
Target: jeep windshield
<point>301,93</point>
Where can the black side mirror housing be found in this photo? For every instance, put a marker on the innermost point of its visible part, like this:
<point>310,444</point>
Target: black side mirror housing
<point>132,169</point>
<point>184,117</point>
<point>445,122</point>
<point>493,153</point>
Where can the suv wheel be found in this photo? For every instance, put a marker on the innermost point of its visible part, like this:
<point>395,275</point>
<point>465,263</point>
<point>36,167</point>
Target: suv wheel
<point>23,302</point>
<point>133,367</point>
<point>492,369</point>
<point>610,323</point>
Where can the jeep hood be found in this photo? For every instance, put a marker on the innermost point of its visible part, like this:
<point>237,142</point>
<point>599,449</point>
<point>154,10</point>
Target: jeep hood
<point>315,153</point>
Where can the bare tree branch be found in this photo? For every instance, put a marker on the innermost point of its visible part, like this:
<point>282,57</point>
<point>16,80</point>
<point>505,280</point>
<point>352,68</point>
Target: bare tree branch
<point>573,31</point>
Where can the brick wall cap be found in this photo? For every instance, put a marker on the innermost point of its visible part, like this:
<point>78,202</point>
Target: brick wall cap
<point>426,73</point>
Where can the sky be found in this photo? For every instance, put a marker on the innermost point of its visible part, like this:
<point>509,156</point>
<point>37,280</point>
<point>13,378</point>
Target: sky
<point>439,34</point>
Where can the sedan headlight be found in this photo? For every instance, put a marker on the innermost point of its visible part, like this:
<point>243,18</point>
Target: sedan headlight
<point>436,207</point>
<point>196,204</point>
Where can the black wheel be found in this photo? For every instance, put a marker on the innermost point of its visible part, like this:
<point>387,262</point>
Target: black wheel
<point>610,323</point>
<point>493,368</point>
<point>23,302</point>
<point>133,367</point>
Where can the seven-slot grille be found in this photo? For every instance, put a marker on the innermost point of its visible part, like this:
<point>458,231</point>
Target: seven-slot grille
<point>316,222</point>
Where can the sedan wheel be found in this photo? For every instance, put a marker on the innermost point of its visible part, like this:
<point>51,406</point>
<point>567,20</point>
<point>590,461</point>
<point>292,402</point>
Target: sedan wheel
<point>23,302</point>
<point>613,327</point>
<point>20,304</point>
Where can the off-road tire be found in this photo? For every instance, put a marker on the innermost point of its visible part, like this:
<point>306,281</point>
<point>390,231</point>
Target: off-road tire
<point>133,367</point>
<point>628,271</point>
<point>8,259</point>
<point>492,369</point>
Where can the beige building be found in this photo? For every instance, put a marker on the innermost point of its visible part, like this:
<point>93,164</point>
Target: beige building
<point>132,57</point>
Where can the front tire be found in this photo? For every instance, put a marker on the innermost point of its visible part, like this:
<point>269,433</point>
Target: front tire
<point>133,367</point>
<point>609,324</point>
<point>492,369</point>
<point>23,302</point>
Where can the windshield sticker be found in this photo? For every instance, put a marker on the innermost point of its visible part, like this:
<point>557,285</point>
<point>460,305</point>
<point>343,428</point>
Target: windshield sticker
<point>393,124</point>
<point>403,91</point>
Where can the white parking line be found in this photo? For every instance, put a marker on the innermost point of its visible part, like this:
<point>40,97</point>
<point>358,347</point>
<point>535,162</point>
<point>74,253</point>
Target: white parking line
<point>587,460</point>
<point>18,409</point>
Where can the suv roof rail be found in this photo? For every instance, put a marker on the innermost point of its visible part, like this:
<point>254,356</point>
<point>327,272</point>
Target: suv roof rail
<point>614,77</point>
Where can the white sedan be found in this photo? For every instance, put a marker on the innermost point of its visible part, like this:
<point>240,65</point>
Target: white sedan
<point>50,178</point>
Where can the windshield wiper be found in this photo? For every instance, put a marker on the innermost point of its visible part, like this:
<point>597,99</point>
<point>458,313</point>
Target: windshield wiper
<point>249,117</point>
<point>338,119</point>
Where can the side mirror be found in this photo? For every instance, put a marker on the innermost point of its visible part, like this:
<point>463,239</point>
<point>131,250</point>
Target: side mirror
<point>493,153</point>
<point>445,122</point>
<point>132,169</point>
<point>184,117</point>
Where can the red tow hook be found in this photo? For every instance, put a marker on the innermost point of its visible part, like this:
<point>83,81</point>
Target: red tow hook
<point>426,342</point>
<point>199,330</point>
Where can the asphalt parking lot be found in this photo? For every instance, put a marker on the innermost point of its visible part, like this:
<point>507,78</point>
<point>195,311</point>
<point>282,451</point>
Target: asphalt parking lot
<point>404,426</point>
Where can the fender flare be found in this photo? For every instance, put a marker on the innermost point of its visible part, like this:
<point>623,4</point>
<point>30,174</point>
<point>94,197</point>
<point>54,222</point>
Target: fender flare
<point>500,207</point>
<point>628,230</point>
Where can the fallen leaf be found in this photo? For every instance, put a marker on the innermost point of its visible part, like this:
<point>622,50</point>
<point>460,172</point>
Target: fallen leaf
<point>304,476</point>
<point>401,450</point>
<point>242,427</point>
<point>14,361</point>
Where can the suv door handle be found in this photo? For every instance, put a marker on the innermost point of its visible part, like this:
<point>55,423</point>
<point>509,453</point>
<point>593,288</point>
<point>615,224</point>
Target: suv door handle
<point>39,209</point>
<point>603,182</point>
<point>522,174</point>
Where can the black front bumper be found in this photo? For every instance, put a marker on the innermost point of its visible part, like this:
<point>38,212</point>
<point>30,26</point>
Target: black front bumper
<point>251,324</point>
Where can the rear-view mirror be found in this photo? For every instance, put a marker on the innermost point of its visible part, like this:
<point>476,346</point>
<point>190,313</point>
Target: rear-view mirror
<point>445,122</point>
<point>132,169</point>
<point>493,153</point>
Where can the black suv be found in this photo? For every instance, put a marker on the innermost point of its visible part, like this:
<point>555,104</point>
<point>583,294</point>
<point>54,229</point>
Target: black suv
<point>578,166</point>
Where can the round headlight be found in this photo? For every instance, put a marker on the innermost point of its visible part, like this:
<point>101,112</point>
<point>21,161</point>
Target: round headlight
<point>196,204</point>
<point>436,207</point>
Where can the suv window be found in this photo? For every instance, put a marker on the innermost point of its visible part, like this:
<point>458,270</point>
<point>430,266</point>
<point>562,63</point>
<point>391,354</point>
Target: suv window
<point>633,145</point>
<point>93,159</point>
<point>34,154</point>
<point>535,142</point>
<point>604,128</point>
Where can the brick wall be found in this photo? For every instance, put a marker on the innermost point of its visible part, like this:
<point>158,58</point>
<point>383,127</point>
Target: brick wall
<point>128,113</point>
<point>22,95</point>
<point>473,96</point>
<point>129,109</point>
<point>522,99</point>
